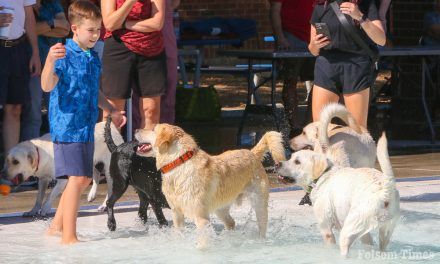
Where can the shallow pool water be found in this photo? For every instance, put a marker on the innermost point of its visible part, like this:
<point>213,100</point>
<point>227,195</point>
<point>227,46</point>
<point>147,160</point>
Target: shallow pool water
<point>292,237</point>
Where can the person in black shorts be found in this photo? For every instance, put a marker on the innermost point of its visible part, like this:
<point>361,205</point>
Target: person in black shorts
<point>134,56</point>
<point>342,67</point>
<point>19,59</point>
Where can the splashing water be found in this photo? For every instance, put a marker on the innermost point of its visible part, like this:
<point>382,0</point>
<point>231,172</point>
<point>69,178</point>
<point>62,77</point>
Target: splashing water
<point>293,237</point>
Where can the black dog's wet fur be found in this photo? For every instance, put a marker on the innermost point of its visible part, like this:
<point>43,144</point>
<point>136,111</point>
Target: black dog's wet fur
<point>127,168</point>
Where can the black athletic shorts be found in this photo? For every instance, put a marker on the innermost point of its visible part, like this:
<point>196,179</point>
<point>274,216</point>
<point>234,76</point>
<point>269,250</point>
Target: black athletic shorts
<point>14,74</point>
<point>343,72</point>
<point>123,70</point>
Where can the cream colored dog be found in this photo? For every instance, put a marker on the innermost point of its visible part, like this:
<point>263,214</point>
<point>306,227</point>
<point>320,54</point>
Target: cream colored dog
<point>352,200</point>
<point>197,184</point>
<point>35,158</point>
<point>356,148</point>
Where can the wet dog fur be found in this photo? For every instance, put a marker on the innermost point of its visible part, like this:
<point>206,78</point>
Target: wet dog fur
<point>205,184</point>
<point>127,168</point>
<point>352,200</point>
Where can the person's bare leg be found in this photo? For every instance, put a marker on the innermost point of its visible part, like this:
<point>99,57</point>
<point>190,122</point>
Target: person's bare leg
<point>56,226</point>
<point>11,126</point>
<point>320,98</point>
<point>119,104</point>
<point>357,104</point>
<point>75,186</point>
<point>150,111</point>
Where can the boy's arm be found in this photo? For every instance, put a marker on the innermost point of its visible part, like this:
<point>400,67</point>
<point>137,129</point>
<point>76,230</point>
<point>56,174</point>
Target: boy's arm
<point>118,117</point>
<point>48,77</point>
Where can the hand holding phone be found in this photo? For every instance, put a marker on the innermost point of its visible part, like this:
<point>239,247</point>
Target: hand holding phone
<point>322,28</point>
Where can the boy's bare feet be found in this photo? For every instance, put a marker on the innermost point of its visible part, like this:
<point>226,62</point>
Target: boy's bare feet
<point>52,231</point>
<point>69,241</point>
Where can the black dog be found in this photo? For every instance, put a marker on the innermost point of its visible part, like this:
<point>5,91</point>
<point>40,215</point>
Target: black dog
<point>127,168</point>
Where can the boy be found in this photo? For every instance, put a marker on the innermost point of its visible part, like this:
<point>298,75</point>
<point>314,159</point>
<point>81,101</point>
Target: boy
<point>72,73</point>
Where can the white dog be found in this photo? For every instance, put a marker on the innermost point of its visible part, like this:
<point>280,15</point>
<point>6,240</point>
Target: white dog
<point>352,200</point>
<point>35,158</point>
<point>197,184</point>
<point>358,149</point>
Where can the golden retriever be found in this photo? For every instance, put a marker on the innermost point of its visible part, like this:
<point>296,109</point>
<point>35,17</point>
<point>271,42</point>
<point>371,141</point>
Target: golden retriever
<point>197,184</point>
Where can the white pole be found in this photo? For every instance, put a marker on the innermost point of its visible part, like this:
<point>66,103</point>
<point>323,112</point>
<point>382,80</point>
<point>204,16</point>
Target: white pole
<point>129,120</point>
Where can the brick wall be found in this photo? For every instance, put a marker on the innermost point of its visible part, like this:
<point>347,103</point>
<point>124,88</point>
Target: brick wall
<point>406,17</point>
<point>257,10</point>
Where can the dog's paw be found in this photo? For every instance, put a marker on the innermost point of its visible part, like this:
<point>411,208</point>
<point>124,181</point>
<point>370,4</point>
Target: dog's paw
<point>31,213</point>
<point>45,210</point>
<point>102,208</point>
<point>111,224</point>
<point>305,200</point>
<point>91,197</point>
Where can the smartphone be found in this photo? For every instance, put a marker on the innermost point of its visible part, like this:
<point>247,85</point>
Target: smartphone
<point>322,28</point>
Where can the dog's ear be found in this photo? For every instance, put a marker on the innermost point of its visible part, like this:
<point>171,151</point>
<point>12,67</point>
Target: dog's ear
<point>165,137</point>
<point>32,160</point>
<point>320,164</point>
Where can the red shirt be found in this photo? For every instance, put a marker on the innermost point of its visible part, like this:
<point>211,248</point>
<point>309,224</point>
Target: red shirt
<point>295,17</point>
<point>144,43</point>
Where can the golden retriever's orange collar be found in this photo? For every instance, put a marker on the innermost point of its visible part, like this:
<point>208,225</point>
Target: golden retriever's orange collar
<point>180,160</point>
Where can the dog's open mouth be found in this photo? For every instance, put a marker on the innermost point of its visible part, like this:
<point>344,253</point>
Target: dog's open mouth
<point>18,179</point>
<point>285,179</point>
<point>144,148</point>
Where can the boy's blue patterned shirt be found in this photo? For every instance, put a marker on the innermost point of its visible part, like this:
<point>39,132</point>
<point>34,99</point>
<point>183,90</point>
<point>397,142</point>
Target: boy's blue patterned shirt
<point>73,108</point>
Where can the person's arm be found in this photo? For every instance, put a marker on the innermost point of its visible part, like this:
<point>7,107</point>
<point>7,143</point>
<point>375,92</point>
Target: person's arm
<point>155,23</point>
<point>175,4</point>
<point>61,27</point>
<point>114,18</point>
<point>275,20</point>
<point>48,77</point>
<point>317,41</point>
<point>42,28</point>
<point>373,28</point>
<point>29,26</point>
<point>383,10</point>
<point>5,19</point>
<point>118,117</point>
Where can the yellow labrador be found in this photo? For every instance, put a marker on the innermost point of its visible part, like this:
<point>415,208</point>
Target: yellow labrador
<point>352,200</point>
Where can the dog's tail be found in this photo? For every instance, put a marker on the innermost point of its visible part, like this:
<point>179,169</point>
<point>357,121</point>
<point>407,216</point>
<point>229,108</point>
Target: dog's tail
<point>273,142</point>
<point>108,135</point>
<point>384,158</point>
<point>328,113</point>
